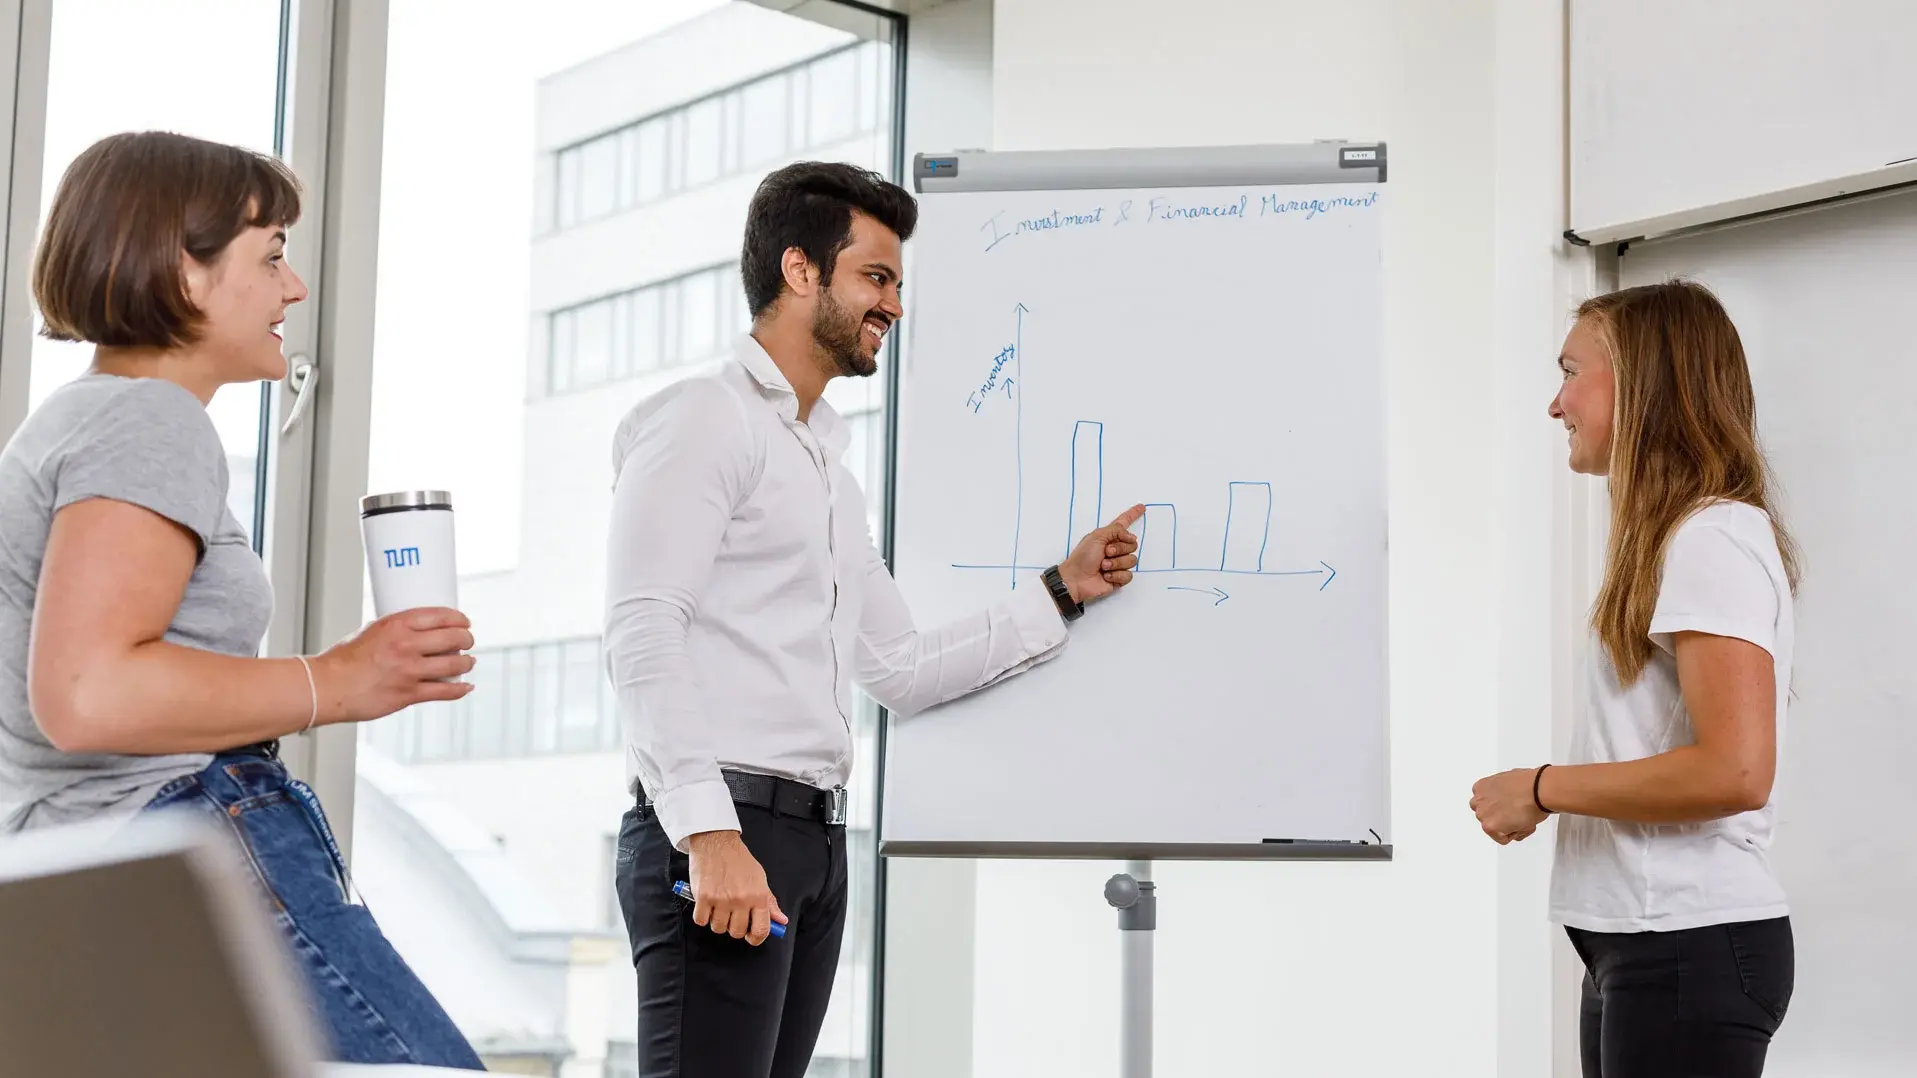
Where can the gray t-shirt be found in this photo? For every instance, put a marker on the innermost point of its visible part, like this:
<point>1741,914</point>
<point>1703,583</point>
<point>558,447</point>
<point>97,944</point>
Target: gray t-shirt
<point>148,442</point>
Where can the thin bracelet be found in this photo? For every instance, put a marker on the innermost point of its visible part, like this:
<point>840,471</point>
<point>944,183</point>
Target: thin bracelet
<point>311,687</point>
<point>1535,779</point>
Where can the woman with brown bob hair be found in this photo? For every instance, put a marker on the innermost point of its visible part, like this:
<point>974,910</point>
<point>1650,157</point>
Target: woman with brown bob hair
<point>131,602</point>
<point>1662,877</point>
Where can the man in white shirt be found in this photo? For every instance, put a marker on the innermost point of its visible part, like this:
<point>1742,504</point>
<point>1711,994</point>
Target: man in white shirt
<point>744,600</point>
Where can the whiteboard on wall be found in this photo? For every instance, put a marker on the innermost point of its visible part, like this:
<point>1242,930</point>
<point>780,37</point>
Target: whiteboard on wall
<point>1195,331</point>
<point>1818,299</point>
<point>1685,113</point>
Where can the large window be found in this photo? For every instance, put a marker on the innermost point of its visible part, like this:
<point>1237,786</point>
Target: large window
<point>671,323</point>
<point>528,700</point>
<point>115,66</point>
<point>503,360</point>
<point>814,105</point>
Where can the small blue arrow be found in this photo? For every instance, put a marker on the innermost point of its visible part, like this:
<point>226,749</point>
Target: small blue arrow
<point>1207,591</point>
<point>1329,579</point>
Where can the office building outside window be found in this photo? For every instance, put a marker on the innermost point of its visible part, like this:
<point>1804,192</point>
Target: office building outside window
<point>816,104</point>
<point>580,255</point>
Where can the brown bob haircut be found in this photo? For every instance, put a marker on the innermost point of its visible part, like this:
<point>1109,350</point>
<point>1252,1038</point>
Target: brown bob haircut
<point>108,270</point>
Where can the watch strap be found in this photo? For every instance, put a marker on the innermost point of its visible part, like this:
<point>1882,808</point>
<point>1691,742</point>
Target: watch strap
<point>1068,608</point>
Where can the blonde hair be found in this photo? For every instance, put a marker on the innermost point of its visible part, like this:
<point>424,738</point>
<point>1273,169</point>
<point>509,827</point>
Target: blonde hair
<point>1683,435</point>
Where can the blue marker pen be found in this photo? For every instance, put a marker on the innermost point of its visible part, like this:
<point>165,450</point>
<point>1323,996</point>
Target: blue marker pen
<point>684,890</point>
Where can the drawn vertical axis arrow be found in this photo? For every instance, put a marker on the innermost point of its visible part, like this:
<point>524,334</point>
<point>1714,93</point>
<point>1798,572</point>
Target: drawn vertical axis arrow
<point>1018,434</point>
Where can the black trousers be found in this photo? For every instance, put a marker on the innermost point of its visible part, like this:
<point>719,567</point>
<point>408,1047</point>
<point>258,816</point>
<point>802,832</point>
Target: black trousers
<point>711,1006</point>
<point>1697,1003</point>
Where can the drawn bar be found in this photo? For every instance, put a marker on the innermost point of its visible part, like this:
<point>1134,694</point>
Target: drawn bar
<point>1088,480</point>
<point>1158,538</point>
<point>1247,527</point>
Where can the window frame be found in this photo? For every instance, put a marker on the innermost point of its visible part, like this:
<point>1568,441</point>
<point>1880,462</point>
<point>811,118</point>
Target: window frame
<point>323,116</point>
<point>26,37</point>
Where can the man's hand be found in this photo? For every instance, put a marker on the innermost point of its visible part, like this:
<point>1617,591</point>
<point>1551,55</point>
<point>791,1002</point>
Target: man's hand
<point>729,889</point>
<point>1103,561</point>
<point>1504,806</point>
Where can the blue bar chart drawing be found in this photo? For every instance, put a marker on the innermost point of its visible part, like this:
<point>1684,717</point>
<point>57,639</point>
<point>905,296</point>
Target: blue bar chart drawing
<point>1248,505</point>
<point>1157,536</point>
<point>1244,511</point>
<point>1087,503</point>
<point>1248,511</point>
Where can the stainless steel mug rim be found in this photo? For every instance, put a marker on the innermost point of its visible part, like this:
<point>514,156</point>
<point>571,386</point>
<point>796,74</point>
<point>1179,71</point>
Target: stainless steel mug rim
<point>405,499</point>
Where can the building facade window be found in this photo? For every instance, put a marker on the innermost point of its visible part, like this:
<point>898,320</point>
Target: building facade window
<point>541,699</point>
<point>823,101</point>
<point>672,323</point>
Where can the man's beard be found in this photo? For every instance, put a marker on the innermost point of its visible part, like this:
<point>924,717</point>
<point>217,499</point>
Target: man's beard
<point>840,334</point>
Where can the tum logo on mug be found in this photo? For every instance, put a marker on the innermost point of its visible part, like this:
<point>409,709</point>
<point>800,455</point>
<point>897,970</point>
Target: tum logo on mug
<point>401,557</point>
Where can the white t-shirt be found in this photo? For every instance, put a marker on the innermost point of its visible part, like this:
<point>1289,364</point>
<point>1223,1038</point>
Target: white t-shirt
<point>1723,576</point>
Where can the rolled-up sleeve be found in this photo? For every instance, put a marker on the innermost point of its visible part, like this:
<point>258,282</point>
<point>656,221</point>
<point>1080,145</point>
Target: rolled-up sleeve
<point>683,459</point>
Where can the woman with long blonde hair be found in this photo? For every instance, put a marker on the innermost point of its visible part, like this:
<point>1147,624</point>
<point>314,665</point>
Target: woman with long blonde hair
<point>1662,876</point>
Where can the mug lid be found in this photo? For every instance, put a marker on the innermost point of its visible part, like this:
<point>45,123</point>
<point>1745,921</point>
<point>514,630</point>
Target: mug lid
<point>405,499</point>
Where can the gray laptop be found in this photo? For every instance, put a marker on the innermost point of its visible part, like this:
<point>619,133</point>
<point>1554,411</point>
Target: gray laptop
<point>140,950</point>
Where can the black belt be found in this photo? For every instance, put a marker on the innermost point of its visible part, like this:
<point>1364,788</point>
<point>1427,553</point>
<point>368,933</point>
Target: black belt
<point>266,749</point>
<point>783,797</point>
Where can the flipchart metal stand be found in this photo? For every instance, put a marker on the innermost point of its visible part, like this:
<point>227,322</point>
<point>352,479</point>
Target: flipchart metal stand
<point>1135,897</point>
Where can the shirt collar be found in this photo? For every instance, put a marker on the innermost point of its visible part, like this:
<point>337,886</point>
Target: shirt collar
<point>825,420</point>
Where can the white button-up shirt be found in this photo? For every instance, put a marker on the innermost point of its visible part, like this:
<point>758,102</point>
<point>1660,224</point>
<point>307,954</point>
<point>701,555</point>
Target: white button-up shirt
<point>744,597</point>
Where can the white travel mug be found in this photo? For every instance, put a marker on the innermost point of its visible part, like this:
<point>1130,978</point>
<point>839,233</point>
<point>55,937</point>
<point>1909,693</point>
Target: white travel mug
<point>409,550</point>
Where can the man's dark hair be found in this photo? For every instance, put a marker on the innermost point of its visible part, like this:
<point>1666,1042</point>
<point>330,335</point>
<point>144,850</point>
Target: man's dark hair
<point>809,205</point>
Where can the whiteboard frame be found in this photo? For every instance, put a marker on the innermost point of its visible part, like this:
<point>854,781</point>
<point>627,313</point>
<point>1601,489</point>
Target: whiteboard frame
<point>1329,161</point>
<point>1139,851</point>
<point>1332,161</point>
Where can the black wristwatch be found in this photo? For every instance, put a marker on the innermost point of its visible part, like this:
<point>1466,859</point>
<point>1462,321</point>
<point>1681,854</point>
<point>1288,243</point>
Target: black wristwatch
<point>1068,608</point>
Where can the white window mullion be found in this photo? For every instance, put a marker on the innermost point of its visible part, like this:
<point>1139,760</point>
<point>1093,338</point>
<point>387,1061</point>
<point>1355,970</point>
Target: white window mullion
<point>26,36</point>
<point>334,142</point>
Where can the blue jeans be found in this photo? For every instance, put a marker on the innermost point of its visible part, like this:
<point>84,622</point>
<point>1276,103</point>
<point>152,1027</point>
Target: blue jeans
<point>370,1005</point>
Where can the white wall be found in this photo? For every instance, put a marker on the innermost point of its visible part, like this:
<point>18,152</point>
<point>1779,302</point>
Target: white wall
<point>1545,554</point>
<point>1439,962</point>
